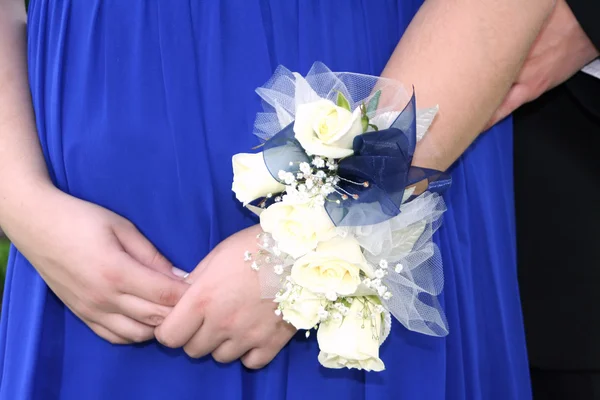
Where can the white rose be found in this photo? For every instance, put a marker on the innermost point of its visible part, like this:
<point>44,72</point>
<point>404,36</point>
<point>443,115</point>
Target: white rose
<point>334,267</point>
<point>300,308</point>
<point>251,178</point>
<point>324,129</point>
<point>297,228</point>
<point>352,342</point>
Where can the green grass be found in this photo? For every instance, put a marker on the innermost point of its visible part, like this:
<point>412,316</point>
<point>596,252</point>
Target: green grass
<point>4,248</point>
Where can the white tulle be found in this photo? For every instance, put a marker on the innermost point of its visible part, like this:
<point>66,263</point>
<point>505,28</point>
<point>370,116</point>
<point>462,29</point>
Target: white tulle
<point>406,241</point>
<point>286,90</point>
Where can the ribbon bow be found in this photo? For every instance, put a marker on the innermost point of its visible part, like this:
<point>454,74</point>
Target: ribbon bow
<point>373,180</point>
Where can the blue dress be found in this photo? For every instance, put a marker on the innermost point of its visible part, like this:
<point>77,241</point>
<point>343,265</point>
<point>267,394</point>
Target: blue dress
<point>140,105</point>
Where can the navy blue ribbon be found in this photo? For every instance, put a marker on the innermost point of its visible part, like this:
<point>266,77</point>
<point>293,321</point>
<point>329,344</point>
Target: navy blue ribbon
<point>373,179</point>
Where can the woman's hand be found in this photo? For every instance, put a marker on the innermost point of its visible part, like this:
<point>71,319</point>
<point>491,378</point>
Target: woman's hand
<point>98,264</point>
<point>223,313</point>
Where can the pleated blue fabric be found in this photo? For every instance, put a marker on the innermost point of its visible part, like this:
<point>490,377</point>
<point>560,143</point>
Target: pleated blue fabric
<point>140,105</point>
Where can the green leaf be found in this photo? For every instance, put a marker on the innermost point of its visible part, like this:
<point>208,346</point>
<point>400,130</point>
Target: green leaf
<point>375,128</point>
<point>343,102</point>
<point>365,123</point>
<point>374,102</point>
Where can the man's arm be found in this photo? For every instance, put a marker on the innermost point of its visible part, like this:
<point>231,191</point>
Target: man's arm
<point>561,50</point>
<point>587,13</point>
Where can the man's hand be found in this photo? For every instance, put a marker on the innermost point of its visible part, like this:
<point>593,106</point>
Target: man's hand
<point>560,51</point>
<point>223,313</point>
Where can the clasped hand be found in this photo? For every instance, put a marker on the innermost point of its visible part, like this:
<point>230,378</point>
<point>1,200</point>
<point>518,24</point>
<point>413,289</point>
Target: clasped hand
<point>110,276</point>
<point>223,314</point>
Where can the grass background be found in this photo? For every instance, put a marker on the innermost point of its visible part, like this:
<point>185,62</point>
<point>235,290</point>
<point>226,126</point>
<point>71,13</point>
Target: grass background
<point>4,247</point>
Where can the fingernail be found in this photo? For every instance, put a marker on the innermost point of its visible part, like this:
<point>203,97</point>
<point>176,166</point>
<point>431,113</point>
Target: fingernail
<point>180,273</point>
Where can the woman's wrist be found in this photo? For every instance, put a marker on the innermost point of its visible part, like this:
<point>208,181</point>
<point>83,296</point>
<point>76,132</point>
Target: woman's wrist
<point>24,202</point>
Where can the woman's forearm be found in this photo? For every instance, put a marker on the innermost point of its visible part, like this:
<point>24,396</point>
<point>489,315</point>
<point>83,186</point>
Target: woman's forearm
<point>464,55</point>
<point>22,167</point>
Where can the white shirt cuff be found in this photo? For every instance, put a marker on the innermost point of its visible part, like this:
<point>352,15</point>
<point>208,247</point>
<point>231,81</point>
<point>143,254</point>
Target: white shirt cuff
<point>593,68</point>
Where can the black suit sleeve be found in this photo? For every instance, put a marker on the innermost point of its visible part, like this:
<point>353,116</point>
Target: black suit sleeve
<point>587,13</point>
